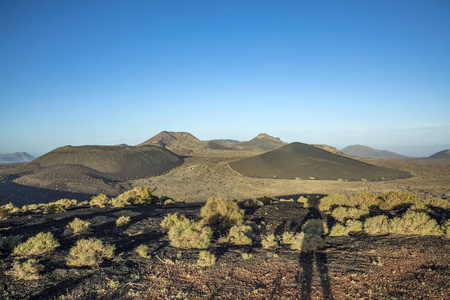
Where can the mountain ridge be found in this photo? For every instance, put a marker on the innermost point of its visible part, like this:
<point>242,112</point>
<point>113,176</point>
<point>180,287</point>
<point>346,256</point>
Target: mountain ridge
<point>17,157</point>
<point>366,151</point>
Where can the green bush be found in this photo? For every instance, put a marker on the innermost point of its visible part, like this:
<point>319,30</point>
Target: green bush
<point>206,259</point>
<point>28,270</point>
<point>221,213</point>
<point>122,221</point>
<point>89,252</point>
<point>240,235</point>
<point>186,233</point>
<point>377,225</point>
<point>77,226</point>
<point>101,200</point>
<point>41,243</point>
<point>269,241</point>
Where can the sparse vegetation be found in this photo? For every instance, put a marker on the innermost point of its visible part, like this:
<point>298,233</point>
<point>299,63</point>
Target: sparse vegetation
<point>138,195</point>
<point>41,243</point>
<point>101,200</point>
<point>221,213</point>
<point>240,235</point>
<point>28,270</point>
<point>377,225</point>
<point>142,250</point>
<point>269,241</point>
<point>206,259</point>
<point>89,252</point>
<point>344,229</point>
<point>343,213</point>
<point>77,226</point>
<point>122,221</point>
<point>186,233</point>
<point>54,208</point>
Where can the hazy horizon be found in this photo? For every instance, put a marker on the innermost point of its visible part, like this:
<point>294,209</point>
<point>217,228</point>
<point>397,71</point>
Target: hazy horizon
<point>374,73</point>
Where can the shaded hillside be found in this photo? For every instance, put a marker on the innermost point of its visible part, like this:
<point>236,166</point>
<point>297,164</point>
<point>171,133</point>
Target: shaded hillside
<point>15,157</point>
<point>441,154</point>
<point>365,151</point>
<point>95,169</point>
<point>298,160</point>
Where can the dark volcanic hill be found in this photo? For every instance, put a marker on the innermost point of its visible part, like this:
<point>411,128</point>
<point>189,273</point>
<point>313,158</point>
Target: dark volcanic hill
<point>95,169</point>
<point>365,151</point>
<point>298,160</point>
<point>15,157</point>
<point>174,140</point>
<point>441,154</point>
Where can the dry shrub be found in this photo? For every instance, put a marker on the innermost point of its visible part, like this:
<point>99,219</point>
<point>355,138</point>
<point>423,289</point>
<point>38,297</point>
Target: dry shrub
<point>28,270</point>
<point>438,202</point>
<point>42,242</point>
<point>101,200</point>
<point>169,202</point>
<point>206,259</point>
<point>364,199</point>
<point>221,213</point>
<point>54,208</point>
<point>138,195</point>
<point>67,203</point>
<point>343,213</point>
<point>394,200</point>
<point>446,228</point>
<point>413,222</point>
<point>253,203</point>
<point>269,241</point>
<point>351,225</point>
<point>122,221</point>
<point>186,233</point>
<point>4,212</point>
<point>288,237</point>
<point>304,201</point>
<point>307,242</point>
<point>9,243</point>
<point>240,235</point>
<point>89,252</point>
<point>142,250</point>
<point>331,201</point>
<point>77,226</point>
<point>267,199</point>
<point>377,225</point>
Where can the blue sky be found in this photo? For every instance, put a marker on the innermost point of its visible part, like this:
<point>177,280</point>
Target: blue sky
<point>334,72</point>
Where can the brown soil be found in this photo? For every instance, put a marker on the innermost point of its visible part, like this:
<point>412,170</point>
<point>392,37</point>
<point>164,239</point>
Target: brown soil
<point>359,266</point>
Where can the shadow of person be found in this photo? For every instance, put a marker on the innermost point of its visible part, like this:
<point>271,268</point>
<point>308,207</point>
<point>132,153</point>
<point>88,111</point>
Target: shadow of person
<point>308,257</point>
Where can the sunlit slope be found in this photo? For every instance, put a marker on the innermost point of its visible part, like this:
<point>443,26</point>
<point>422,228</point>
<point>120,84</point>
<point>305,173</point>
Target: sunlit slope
<point>302,161</point>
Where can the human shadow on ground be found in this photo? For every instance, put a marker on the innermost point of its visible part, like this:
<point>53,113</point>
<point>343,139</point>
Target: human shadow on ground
<point>307,260</point>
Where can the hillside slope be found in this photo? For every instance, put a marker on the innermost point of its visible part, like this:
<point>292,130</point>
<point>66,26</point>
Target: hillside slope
<point>365,151</point>
<point>441,154</point>
<point>298,160</point>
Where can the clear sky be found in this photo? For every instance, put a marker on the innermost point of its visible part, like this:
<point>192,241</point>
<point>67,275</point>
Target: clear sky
<point>343,72</point>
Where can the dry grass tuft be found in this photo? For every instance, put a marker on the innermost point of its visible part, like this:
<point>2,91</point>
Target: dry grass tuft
<point>77,226</point>
<point>221,213</point>
<point>89,252</point>
<point>206,259</point>
<point>186,233</point>
<point>28,270</point>
<point>41,243</point>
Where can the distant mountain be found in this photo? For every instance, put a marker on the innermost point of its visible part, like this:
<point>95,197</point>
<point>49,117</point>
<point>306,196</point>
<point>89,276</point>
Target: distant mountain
<point>263,142</point>
<point>184,142</point>
<point>16,157</point>
<point>303,161</point>
<point>365,151</point>
<point>441,154</point>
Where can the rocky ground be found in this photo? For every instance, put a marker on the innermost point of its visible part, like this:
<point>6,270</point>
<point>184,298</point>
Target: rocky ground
<point>356,266</point>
